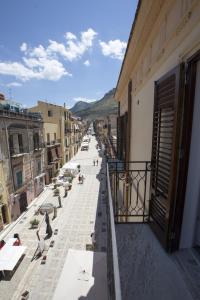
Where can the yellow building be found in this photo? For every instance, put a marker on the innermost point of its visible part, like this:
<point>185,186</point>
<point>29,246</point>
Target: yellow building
<point>60,136</point>
<point>55,136</point>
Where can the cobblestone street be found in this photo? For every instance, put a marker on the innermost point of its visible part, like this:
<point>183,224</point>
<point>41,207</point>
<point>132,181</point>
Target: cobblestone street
<point>83,211</point>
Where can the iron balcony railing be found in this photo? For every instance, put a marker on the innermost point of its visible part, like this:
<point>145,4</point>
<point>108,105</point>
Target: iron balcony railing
<point>54,142</point>
<point>130,184</point>
<point>23,114</point>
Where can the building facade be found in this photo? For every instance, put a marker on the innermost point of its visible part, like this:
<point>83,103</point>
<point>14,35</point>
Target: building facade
<point>22,151</point>
<point>158,95</point>
<point>60,136</point>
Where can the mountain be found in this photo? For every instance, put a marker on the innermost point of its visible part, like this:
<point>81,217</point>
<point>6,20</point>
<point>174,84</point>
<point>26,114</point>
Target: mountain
<point>80,105</point>
<point>95,110</point>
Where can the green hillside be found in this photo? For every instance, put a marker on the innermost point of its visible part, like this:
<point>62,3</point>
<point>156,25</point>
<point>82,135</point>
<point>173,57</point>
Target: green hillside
<point>98,109</point>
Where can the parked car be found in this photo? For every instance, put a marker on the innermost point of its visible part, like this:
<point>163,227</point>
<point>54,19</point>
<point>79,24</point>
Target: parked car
<point>84,146</point>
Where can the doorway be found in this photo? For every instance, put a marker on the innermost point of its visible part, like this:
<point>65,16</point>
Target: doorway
<point>4,212</point>
<point>23,202</point>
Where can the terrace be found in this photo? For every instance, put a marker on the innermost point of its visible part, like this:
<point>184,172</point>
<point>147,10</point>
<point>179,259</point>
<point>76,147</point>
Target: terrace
<point>138,266</point>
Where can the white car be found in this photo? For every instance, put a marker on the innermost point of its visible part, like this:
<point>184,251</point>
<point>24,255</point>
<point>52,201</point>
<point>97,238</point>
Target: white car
<point>84,146</point>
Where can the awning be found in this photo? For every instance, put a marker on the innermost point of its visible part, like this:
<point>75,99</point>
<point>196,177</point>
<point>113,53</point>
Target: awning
<point>9,256</point>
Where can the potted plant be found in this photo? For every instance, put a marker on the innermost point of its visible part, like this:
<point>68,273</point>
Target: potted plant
<point>34,223</point>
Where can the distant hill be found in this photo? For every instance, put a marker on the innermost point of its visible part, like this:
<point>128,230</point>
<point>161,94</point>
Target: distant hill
<point>98,109</point>
<point>80,105</point>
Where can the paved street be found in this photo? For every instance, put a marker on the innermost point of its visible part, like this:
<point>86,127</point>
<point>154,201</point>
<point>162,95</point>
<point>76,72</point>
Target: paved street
<point>83,211</point>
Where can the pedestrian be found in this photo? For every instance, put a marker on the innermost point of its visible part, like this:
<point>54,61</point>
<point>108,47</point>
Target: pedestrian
<point>40,247</point>
<point>79,178</point>
<point>97,162</point>
<point>93,162</point>
<point>17,242</point>
<point>82,178</point>
<point>59,201</point>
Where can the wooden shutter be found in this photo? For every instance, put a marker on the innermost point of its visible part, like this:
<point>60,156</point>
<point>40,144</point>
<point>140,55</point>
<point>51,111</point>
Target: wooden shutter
<point>165,154</point>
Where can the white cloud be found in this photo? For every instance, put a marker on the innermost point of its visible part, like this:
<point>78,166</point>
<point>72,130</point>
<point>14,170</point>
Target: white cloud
<point>23,47</point>
<point>15,84</point>
<point>70,36</point>
<point>114,48</point>
<point>45,62</point>
<point>87,63</point>
<point>39,69</point>
<point>76,99</point>
<point>74,48</point>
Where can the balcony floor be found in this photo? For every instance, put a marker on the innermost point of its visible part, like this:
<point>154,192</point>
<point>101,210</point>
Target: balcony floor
<point>146,270</point>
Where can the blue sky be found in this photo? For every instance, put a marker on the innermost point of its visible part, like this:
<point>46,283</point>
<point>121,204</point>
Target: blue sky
<point>62,51</point>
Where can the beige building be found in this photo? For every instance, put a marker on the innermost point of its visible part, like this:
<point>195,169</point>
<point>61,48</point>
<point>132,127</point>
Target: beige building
<point>158,91</point>
<point>60,136</point>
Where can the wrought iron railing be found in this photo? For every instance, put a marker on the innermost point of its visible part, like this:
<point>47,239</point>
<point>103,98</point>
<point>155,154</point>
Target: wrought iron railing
<point>130,183</point>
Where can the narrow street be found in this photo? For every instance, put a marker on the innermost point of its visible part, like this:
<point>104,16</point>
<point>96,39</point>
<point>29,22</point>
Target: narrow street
<point>83,212</point>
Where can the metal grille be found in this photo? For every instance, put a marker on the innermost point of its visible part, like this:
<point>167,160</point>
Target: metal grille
<point>130,182</point>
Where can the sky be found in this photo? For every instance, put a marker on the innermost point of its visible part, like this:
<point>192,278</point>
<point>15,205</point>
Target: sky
<point>62,51</point>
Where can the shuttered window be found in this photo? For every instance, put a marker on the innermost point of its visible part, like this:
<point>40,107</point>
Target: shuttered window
<point>165,155</point>
<point>122,137</point>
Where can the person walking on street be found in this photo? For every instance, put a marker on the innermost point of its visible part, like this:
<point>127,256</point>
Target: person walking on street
<point>97,162</point>
<point>82,178</point>
<point>79,178</point>
<point>94,162</point>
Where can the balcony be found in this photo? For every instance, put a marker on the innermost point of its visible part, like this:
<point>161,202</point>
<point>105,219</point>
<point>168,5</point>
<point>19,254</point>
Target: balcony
<point>138,266</point>
<point>53,143</point>
<point>21,114</point>
<point>18,151</point>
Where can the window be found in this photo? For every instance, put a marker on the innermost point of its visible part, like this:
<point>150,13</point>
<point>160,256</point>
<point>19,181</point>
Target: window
<point>19,179</point>
<point>48,137</point>
<point>11,144</point>
<point>50,113</point>
<point>36,140</point>
<point>20,141</point>
<point>39,167</point>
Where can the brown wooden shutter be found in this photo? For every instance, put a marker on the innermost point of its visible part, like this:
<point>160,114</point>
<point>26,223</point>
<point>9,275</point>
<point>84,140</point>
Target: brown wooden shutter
<point>165,154</point>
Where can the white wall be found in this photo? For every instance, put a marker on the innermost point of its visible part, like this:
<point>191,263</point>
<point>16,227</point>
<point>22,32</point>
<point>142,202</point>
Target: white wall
<point>142,113</point>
